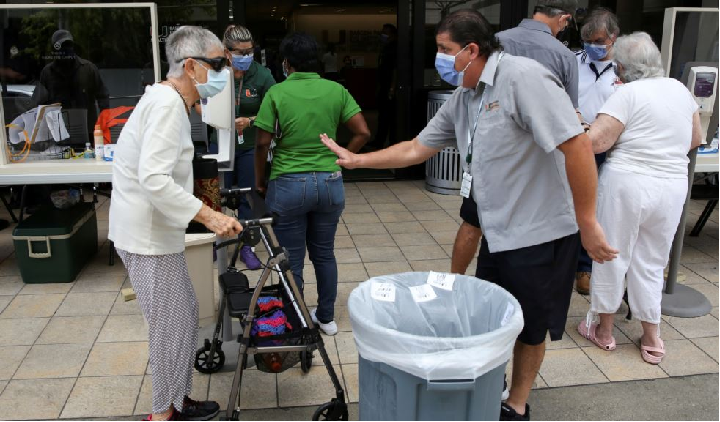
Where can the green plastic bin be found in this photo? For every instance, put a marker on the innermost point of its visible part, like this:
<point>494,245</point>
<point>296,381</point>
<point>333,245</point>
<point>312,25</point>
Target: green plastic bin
<point>53,245</point>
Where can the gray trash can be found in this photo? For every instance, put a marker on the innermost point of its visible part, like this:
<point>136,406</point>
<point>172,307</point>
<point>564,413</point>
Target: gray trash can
<point>443,171</point>
<point>432,346</point>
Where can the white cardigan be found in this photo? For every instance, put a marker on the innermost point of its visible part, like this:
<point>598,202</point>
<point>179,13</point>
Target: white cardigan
<point>152,201</point>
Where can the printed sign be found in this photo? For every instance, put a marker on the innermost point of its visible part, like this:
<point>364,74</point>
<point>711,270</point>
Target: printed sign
<point>383,291</point>
<point>443,281</point>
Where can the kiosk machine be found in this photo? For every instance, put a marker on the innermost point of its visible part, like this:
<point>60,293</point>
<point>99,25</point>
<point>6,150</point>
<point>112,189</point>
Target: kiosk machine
<point>702,83</point>
<point>219,112</point>
<point>702,80</point>
<point>689,54</point>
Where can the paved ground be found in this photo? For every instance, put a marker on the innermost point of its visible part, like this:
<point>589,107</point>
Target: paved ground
<point>678,398</point>
<point>78,351</point>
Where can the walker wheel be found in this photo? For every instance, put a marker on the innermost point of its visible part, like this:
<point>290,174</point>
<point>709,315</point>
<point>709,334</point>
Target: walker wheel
<point>306,358</point>
<point>334,410</point>
<point>204,364</point>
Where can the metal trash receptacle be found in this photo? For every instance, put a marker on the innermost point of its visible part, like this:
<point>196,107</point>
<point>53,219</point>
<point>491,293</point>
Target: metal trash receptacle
<point>443,172</point>
<point>432,353</point>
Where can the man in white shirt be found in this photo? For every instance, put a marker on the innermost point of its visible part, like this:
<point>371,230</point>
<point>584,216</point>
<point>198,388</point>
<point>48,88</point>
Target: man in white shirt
<point>596,82</point>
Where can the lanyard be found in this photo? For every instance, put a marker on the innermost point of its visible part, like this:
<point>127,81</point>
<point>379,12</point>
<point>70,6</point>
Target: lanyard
<point>471,135</point>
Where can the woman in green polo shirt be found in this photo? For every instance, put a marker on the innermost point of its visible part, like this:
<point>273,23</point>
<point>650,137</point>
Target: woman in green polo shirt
<point>306,187</point>
<point>252,82</point>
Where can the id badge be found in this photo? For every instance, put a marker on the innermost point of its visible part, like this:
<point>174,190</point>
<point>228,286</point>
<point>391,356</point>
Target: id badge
<point>241,139</point>
<point>466,185</point>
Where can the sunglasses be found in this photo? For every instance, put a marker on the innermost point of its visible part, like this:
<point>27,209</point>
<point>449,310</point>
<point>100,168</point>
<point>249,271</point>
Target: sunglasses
<point>217,64</point>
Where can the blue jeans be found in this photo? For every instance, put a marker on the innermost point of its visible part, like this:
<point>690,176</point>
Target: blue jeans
<point>242,177</point>
<point>585,262</point>
<point>308,207</point>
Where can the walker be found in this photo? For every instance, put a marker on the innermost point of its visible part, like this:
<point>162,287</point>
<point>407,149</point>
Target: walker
<point>242,302</point>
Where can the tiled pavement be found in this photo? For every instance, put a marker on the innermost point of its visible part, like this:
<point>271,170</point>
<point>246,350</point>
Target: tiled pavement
<point>79,351</point>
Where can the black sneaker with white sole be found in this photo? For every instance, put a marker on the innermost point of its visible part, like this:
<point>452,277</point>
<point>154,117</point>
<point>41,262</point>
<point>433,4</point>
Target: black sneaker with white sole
<point>507,413</point>
<point>194,410</point>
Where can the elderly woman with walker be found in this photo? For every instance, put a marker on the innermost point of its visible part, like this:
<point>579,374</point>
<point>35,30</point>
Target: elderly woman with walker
<point>151,206</point>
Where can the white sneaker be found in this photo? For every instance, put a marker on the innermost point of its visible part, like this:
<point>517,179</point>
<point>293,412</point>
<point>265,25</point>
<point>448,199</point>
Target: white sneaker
<point>329,329</point>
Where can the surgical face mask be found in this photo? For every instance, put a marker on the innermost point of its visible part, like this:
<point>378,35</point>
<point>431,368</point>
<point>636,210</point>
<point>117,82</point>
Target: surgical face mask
<point>596,52</point>
<point>216,82</point>
<point>242,62</point>
<point>445,65</point>
<point>285,70</point>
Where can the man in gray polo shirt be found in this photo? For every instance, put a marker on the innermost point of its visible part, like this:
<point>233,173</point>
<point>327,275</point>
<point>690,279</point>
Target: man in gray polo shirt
<point>530,166</point>
<point>535,39</point>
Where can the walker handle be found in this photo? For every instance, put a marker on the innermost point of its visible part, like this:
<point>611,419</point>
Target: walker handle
<point>247,224</point>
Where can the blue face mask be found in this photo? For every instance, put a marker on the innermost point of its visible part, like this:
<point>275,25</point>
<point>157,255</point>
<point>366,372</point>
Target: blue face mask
<point>445,65</point>
<point>596,52</point>
<point>242,62</point>
<point>216,82</point>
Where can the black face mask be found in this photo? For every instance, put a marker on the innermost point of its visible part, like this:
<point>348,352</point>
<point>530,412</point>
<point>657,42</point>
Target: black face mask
<point>65,59</point>
<point>67,52</point>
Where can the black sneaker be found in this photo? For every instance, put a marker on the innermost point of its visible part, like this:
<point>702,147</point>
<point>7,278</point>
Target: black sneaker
<point>199,410</point>
<point>507,413</point>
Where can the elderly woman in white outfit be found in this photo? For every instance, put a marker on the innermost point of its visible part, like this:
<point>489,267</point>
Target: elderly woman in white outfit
<point>151,206</point>
<point>648,126</point>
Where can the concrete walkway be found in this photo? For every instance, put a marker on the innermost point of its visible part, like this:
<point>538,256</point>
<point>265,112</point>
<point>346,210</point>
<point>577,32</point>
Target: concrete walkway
<point>681,398</point>
<point>77,350</point>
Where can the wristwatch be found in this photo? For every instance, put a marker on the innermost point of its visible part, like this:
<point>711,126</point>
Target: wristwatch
<point>252,122</point>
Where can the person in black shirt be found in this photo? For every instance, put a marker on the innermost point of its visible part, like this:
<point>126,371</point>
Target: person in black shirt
<point>72,81</point>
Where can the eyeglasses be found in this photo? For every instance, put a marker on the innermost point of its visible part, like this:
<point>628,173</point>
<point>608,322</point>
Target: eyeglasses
<point>244,52</point>
<point>217,64</point>
<point>597,41</point>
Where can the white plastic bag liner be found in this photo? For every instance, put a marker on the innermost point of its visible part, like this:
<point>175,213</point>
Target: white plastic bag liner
<point>468,328</point>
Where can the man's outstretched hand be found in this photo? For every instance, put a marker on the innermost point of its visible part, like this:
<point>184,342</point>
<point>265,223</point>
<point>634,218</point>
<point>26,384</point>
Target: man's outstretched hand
<point>346,158</point>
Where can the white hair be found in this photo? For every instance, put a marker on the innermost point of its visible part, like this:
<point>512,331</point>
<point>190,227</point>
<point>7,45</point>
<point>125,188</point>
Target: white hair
<point>639,57</point>
<point>188,41</point>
